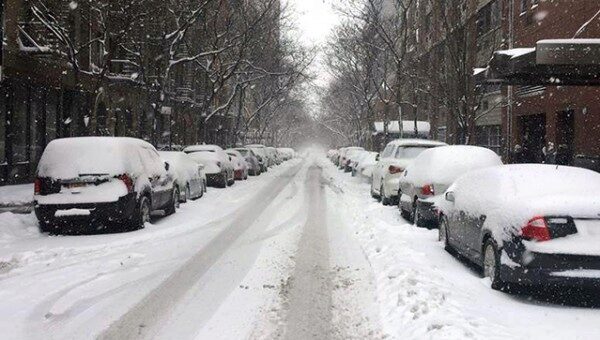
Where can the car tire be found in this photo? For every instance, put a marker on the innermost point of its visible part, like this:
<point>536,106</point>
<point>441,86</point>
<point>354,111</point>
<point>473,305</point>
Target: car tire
<point>443,234</point>
<point>384,200</point>
<point>46,227</point>
<point>491,265</point>
<point>373,194</point>
<point>202,190</point>
<point>223,182</point>
<point>141,214</point>
<point>188,194</point>
<point>174,203</point>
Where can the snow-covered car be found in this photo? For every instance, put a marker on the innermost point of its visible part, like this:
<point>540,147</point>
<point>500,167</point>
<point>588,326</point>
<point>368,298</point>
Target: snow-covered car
<point>526,224</point>
<point>272,152</point>
<point>85,181</point>
<point>287,153</point>
<point>432,173</point>
<point>254,167</point>
<point>363,166</point>
<point>189,174</point>
<point>332,155</point>
<point>343,159</point>
<point>261,153</point>
<point>217,164</point>
<point>351,156</point>
<point>392,162</point>
<point>240,167</point>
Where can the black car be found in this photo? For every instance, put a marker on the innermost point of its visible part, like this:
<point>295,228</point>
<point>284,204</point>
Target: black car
<point>89,182</point>
<point>526,224</point>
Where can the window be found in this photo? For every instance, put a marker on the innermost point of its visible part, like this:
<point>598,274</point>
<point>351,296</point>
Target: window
<point>388,151</point>
<point>410,152</point>
<point>523,6</point>
<point>489,136</point>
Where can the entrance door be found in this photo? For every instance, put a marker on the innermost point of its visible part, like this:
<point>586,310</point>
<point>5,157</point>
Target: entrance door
<point>533,128</point>
<point>565,137</point>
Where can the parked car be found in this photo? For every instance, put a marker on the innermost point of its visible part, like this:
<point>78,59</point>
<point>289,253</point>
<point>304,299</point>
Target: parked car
<point>254,165</point>
<point>217,165</point>
<point>432,173</point>
<point>343,160</point>
<point>240,167</point>
<point>189,174</point>
<point>351,156</point>
<point>526,224</point>
<point>333,154</point>
<point>272,153</point>
<point>363,166</point>
<point>261,153</point>
<point>85,181</point>
<point>287,153</point>
<point>392,162</point>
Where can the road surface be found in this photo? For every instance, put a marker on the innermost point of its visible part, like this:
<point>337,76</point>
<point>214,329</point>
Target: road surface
<point>301,252</point>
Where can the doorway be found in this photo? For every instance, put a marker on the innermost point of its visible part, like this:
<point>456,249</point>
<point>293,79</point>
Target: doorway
<point>565,137</point>
<point>533,128</point>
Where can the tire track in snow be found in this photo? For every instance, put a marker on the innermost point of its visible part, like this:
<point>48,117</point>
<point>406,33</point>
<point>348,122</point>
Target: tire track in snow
<point>310,297</point>
<point>144,317</point>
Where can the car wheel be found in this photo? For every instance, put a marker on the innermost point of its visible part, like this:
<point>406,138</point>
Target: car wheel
<point>46,227</point>
<point>202,190</point>
<point>141,214</point>
<point>413,212</point>
<point>384,200</point>
<point>187,195</point>
<point>174,203</point>
<point>491,264</point>
<point>443,234</point>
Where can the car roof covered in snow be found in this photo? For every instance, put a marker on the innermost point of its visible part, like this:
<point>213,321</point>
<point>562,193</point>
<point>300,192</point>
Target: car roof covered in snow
<point>202,147</point>
<point>416,142</point>
<point>444,164</point>
<point>68,158</point>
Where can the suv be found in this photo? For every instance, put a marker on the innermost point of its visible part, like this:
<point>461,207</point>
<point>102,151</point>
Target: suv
<point>394,159</point>
<point>101,179</point>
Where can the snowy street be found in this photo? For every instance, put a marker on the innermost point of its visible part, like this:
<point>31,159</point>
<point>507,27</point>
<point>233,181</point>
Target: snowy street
<point>301,252</point>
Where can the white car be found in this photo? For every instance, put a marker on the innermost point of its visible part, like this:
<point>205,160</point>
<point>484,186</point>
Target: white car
<point>261,153</point>
<point>392,162</point>
<point>344,162</point>
<point>363,166</point>
<point>217,165</point>
<point>240,167</point>
<point>189,174</point>
<point>432,173</point>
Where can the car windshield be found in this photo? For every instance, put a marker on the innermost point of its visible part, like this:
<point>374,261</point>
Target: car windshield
<point>299,169</point>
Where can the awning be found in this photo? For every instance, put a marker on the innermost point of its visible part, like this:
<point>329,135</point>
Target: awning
<point>551,62</point>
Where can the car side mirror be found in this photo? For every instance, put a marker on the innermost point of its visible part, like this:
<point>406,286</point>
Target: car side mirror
<point>167,166</point>
<point>450,196</point>
<point>377,158</point>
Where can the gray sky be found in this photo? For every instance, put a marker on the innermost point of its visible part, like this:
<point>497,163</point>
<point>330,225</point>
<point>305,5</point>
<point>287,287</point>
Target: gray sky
<point>315,19</point>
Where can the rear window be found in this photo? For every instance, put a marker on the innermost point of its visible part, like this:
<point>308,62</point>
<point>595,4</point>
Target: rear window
<point>410,152</point>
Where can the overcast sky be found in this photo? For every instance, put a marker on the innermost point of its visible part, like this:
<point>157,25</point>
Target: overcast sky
<point>315,19</point>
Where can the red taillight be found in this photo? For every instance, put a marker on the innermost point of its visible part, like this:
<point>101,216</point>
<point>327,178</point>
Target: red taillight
<point>536,229</point>
<point>395,169</point>
<point>427,190</point>
<point>37,186</point>
<point>127,181</point>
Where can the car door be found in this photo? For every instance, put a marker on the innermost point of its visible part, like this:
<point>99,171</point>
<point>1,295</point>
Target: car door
<point>456,229</point>
<point>382,165</point>
<point>406,188</point>
<point>160,180</point>
<point>473,226</point>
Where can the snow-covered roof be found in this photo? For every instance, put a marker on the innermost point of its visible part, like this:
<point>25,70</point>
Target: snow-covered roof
<point>197,148</point>
<point>407,126</point>
<point>477,71</point>
<point>517,52</point>
<point>416,142</point>
<point>570,41</point>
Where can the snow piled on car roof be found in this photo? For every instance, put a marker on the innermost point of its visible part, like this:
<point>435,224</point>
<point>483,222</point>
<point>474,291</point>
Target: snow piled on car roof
<point>69,158</point>
<point>443,165</point>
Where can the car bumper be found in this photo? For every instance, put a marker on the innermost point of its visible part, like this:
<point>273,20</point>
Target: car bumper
<point>545,277</point>
<point>428,213</point>
<point>392,184</point>
<point>118,211</point>
<point>213,179</point>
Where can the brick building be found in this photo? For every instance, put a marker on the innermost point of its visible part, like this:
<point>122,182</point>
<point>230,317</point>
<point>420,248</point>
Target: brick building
<point>567,116</point>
